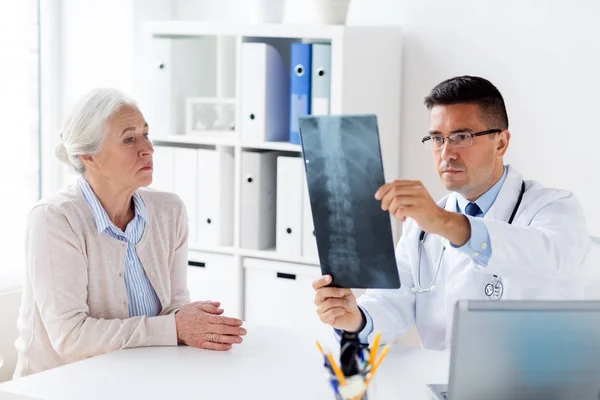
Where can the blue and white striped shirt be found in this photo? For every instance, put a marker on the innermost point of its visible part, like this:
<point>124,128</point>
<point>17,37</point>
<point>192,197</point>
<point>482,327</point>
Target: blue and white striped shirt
<point>142,296</point>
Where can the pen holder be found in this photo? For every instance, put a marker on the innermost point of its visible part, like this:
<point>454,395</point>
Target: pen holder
<point>353,390</point>
<point>358,365</point>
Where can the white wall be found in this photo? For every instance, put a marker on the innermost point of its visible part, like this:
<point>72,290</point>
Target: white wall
<point>221,10</point>
<point>98,44</point>
<point>18,128</point>
<point>102,41</point>
<point>544,56</point>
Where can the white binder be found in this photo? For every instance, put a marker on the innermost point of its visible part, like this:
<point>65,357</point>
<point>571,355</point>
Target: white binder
<point>185,182</point>
<point>215,197</point>
<point>265,94</point>
<point>163,172</point>
<point>257,223</point>
<point>162,109</point>
<point>320,78</point>
<point>309,239</point>
<point>289,206</point>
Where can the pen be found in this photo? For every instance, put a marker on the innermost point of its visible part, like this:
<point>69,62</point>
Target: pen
<point>374,349</point>
<point>377,364</point>
<point>325,359</point>
<point>334,385</point>
<point>337,370</point>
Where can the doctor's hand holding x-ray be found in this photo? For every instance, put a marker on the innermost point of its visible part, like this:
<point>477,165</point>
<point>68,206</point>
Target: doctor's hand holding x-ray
<point>495,236</point>
<point>403,199</point>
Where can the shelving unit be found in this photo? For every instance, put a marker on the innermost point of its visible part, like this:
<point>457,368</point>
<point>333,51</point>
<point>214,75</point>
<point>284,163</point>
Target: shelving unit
<point>365,79</point>
<point>277,146</point>
<point>194,140</point>
<point>271,254</point>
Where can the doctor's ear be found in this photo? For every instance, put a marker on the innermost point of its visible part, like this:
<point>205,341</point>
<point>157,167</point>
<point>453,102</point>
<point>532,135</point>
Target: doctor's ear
<point>504,140</point>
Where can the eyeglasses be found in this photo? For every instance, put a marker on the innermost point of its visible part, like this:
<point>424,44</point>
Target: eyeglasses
<point>459,139</point>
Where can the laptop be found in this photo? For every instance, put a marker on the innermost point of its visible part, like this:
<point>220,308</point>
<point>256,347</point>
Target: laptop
<point>523,350</point>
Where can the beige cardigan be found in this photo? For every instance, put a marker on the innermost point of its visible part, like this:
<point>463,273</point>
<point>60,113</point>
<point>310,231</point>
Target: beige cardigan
<point>74,296</point>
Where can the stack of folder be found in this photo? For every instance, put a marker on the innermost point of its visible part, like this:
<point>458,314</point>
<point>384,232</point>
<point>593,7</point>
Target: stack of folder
<point>204,180</point>
<point>273,97</point>
<point>310,83</point>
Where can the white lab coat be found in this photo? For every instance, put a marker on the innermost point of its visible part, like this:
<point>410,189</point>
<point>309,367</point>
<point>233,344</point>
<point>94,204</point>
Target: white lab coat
<point>539,256</point>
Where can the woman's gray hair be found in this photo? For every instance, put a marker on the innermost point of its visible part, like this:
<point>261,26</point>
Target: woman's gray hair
<point>85,129</point>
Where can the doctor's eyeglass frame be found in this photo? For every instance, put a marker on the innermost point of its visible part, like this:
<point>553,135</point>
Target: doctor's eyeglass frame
<point>456,139</point>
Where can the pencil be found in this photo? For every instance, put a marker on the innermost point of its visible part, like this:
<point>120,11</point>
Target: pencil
<point>337,370</point>
<point>374,349</point>
<point>320,348</point>
<point>377,364</point>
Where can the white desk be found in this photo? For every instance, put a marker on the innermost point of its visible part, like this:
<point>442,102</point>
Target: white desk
<point>12,396</point>
<point>272,363</point>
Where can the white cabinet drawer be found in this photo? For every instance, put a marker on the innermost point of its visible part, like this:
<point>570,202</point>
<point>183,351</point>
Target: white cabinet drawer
<point>281,294</point>
<point>212,277</point>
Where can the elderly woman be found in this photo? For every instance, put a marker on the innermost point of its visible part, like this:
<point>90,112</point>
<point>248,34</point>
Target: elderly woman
<point>107,259</point>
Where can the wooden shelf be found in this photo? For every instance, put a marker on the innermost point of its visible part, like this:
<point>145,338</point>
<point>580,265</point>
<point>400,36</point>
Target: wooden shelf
<point>271,254</point>
<point>212,140</point>
<point>281,146</point>
<point>171,29</point>
<point>227,250</point>
<point>220,141</point>
<point>268,254</point>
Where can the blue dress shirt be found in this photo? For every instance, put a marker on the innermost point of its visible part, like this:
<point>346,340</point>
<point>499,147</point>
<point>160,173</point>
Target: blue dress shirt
<point>479,247</point>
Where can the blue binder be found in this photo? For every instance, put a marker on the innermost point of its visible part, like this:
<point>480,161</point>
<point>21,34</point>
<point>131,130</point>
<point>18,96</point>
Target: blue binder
<point>299,86</point>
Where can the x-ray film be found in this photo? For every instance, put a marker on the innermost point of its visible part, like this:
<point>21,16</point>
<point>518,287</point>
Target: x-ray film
<point>344,169</point>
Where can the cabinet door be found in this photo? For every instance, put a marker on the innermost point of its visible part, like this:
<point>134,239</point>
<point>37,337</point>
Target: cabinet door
<point>281,294</point>
<point>210,277</point>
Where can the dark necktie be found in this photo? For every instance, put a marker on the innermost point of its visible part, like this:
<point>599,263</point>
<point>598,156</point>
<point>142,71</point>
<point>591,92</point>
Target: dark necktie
<point>472,209</point>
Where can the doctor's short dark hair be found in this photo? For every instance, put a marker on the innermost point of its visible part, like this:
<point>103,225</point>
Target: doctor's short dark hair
<point>473,90</point>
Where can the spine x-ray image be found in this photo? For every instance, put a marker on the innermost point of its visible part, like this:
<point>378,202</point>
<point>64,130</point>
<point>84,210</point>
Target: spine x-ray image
<point>342,157</point>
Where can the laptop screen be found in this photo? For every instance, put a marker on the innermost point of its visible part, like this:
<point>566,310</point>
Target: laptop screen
<point>525,350</point>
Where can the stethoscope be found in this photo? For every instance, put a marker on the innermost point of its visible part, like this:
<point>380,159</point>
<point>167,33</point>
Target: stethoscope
<point>493,290</point>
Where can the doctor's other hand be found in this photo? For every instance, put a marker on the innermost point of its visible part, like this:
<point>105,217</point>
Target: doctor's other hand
<point>337,307</point>
<point>409,199</point>
<point>201,324</point>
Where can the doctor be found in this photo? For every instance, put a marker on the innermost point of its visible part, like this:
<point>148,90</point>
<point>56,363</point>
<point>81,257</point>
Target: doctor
<point>495,236</point>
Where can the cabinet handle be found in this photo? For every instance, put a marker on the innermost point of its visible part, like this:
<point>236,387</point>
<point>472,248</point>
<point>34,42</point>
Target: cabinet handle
<point>286,276</point>
<point>289,230</point>
<point>196,264</point>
